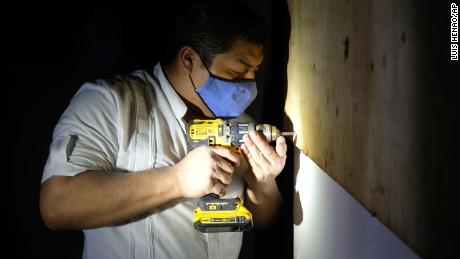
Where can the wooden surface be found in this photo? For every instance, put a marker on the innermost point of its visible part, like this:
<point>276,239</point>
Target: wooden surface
<point>352,98</point>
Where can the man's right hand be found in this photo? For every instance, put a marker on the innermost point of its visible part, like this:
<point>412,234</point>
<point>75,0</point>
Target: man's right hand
<point>68,202</point>
<point>206,170</point>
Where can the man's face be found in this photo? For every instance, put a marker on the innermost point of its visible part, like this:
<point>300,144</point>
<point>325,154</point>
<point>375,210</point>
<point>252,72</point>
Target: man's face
<point>241,62</point>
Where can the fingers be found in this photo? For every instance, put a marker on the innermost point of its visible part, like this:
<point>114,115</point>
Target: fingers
<point>219,189</point>
<point>223,170</point>
<point>222,176</point>
<point>248,156</point>
<point>223,164</point>
<point>267,151</point>
<point>281,147</point>
<point>228,154</point>
<point>258,149</point>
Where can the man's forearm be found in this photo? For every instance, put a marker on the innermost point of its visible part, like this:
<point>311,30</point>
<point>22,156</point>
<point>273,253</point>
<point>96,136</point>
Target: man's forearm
<point>94,199</point>
<point>263,202</point>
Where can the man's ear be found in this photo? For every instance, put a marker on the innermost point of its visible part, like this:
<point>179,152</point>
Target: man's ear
<point>187,58</point>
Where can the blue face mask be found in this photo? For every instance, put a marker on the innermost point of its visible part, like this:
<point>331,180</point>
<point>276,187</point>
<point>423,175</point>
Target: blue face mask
<point>227,98</point>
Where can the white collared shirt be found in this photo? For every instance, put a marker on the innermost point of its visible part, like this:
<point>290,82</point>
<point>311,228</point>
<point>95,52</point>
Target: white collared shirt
<point>132,123</point>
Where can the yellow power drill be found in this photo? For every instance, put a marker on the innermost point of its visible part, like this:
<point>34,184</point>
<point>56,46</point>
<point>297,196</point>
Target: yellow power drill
<point>214,214</point>
<point>220,132</point>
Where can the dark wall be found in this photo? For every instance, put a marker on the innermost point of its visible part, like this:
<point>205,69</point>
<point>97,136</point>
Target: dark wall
<point>438,131</point>
<point>50,53</point>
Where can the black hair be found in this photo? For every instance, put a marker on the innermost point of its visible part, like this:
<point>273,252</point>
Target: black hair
<point>211,27</point>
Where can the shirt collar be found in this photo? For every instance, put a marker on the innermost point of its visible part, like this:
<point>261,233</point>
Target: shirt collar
<point>178,106</point>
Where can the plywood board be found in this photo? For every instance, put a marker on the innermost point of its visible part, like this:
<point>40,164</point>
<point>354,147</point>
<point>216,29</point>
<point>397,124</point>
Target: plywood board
<point>352,101</point>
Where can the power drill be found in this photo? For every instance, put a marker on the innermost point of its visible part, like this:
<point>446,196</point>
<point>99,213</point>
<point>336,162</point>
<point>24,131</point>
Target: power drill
<point>214,214</point>
<point>219,132</point>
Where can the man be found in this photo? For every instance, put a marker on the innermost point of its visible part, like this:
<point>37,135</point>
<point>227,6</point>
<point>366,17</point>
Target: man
<point>119,165</point>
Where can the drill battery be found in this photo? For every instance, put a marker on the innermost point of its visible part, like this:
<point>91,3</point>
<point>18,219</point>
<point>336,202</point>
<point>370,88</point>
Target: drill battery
<point>214,214</point>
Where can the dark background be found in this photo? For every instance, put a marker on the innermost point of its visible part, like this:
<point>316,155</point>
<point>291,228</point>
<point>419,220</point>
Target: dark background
<point>52,51</point>
<point>438,131</point>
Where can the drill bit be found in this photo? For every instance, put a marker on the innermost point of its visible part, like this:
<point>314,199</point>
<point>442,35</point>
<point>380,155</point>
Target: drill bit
<point>290,133</point>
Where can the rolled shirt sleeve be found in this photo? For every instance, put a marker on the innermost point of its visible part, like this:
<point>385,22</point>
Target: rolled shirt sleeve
<point>85,137</point>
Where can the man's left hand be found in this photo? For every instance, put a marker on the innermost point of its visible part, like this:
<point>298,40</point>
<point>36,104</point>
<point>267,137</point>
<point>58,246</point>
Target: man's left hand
<point>265,162</point>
